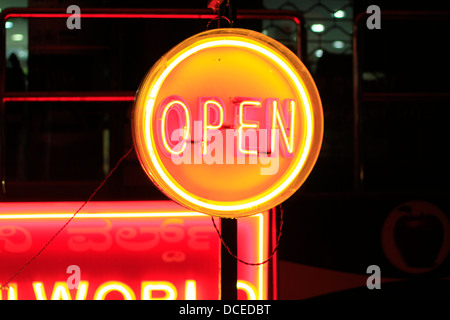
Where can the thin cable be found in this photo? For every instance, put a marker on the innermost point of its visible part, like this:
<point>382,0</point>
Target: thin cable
<point>5,286</point>
<point>218,19</point>
<point>253,263</point>
<point>220,16</point>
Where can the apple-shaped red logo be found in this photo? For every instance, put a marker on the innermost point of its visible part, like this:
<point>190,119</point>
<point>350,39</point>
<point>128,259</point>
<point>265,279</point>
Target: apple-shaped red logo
<point>415,237</point>
<point>418,237</point>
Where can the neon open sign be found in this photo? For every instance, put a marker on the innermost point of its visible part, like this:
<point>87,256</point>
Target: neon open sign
<point>242,128</point>
<point>229,122</point>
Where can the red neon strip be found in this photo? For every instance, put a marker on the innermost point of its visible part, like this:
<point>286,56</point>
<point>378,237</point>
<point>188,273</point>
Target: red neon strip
<point>111,15</point>
<point>274,235</point>
<point>140,206</point>
<point>124,16</point>
<point>67,99</point>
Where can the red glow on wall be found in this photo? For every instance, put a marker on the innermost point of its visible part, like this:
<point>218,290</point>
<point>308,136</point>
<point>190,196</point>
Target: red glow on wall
<point>124,249</point>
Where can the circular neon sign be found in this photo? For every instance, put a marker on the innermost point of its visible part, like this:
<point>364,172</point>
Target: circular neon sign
<point>229,123</point>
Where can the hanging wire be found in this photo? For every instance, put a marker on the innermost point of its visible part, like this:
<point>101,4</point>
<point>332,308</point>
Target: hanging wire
<point>220,16</point>
<point>254,263</point>
<point>5,285</point>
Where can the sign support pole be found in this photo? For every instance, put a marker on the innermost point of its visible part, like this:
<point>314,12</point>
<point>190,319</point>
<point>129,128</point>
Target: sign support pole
<point>228,263</point>
<point>228,227</point>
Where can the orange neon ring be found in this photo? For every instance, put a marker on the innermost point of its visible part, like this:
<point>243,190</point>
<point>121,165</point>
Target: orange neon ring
<point>267,47</point>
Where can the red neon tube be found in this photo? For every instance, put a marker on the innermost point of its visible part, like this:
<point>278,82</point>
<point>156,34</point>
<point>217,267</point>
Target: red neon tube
<point>69,99</point>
